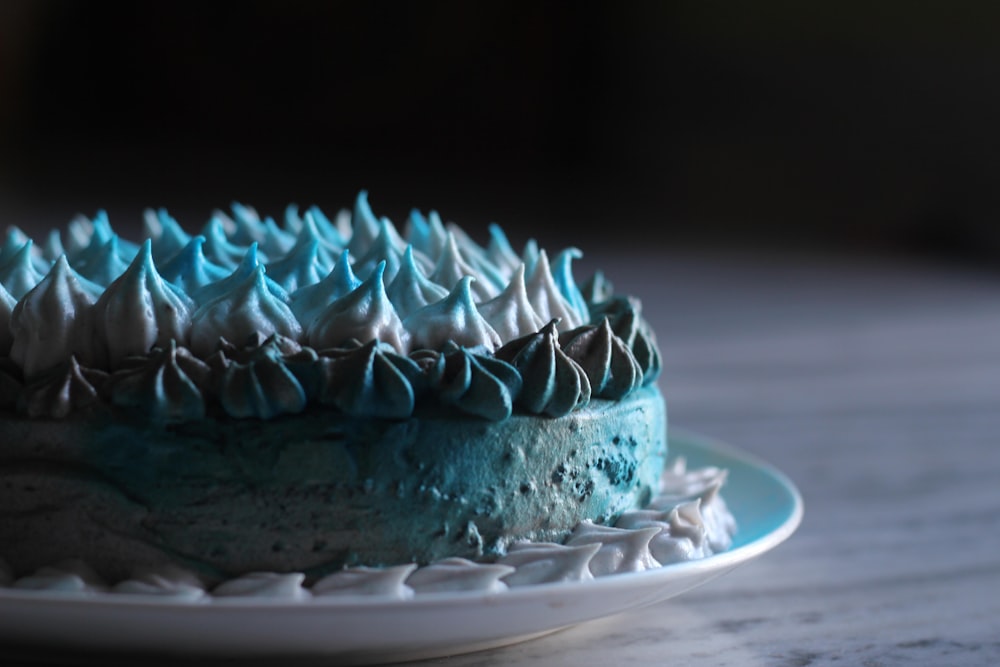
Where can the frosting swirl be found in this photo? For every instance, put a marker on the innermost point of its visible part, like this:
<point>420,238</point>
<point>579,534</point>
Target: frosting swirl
<point>609,364</point>
<point>64,389</point>
<point>554,384</point>
<point>369,381</point>
<point>483,348</point>
<point>476,384</point>
<point>263,387</point>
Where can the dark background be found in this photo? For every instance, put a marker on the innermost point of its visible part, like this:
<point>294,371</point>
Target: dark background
<point>857,127</point>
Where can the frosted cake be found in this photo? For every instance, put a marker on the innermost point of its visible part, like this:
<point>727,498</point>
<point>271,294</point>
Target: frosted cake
<point>301,398</point>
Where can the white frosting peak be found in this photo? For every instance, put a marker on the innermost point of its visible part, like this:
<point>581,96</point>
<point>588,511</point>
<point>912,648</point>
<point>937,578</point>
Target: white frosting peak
<point>454,318</point>
<point>48,324</point>
<point>549,303</point>
<point>451,267</point>
<point>139,311</point>
<point>365,314</point>
<point>249,308</point>
<point>511,313</point>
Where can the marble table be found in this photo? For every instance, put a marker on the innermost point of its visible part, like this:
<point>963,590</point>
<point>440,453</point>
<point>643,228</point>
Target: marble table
<point>875,385</point>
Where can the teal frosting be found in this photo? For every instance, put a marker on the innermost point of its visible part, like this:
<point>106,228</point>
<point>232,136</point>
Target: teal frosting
<point>262,386</point>
<point>246,268</point>
<point>364,226</point>
<point>387,247</point>
<point>103,265</point>
<point>411,290</point>
<point>190,270</point>
<point>62,391</point>
<point>327,229</point>
<point>476,384</point>
<point>610,366</point>
<point>624,314</point>
<point>562,274</point>
<point>18,273</point>
<point>554,384</point>
<point>370,380</point>
<point>277,241</point>
<point>100,226</point>
<point>52,247</point>
<point>247,225</point>
<point>500,251</point>
<point>165,386</point>
<point>301,267</point>
<point>326,250</point>
<point>418,231</point>
<point>169,238</point>
<point>13,241</point>
<point>472,318</point>
<point>218,248</point>
<point>427,235</point>
<point>307,302</point>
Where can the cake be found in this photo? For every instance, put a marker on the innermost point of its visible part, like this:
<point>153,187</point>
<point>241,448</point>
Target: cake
<point>311,396</point>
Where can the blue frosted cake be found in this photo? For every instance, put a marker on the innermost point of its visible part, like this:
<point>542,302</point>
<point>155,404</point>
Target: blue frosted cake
<point>305,396</point>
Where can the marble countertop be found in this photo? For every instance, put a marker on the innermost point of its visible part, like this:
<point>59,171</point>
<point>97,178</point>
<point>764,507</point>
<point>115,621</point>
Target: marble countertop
<point>875,385</point>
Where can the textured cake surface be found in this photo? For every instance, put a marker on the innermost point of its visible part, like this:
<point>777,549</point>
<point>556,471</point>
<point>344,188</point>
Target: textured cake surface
<point>313,395</point>
<point>317,491</point>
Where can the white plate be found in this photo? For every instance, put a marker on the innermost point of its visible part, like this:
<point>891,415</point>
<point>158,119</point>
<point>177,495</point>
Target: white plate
<point>766,505</point>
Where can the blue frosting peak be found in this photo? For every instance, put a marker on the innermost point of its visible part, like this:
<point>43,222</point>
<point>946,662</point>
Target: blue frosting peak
<point>18,272</point>
<point>554,384</point>
<point>309,301</point>
<point>189,270</point>
<point>165,387</point>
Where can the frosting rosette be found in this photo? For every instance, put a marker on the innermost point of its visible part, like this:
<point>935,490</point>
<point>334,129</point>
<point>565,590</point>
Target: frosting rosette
<point>345,312</point>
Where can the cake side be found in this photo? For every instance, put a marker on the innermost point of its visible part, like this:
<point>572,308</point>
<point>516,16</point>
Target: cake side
<point>318,491</point>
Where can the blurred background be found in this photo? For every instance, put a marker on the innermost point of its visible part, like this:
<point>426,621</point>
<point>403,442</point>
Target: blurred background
<point>855,126</point>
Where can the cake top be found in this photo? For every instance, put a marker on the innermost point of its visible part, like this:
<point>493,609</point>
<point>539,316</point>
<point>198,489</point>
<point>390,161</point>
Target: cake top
<point>348,313</point>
